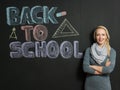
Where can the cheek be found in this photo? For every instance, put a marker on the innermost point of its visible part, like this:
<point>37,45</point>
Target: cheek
<point>105,38</point>
<point>97,38</point>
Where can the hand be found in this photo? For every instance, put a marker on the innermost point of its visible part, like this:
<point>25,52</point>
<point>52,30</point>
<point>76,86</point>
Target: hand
<point>96,68</point>
<point>108,63</point>
<point>93,66</point>
<point>97,73</point>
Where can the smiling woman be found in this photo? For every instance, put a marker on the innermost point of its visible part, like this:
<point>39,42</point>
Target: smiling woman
<point>99,61</point>
<point>102,37</point>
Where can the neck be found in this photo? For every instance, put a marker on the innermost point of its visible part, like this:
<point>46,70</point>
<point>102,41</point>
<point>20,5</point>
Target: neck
<point>101,45</point>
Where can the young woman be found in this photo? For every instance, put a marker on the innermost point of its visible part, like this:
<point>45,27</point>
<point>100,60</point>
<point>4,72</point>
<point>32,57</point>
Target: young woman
<point>99,61</point>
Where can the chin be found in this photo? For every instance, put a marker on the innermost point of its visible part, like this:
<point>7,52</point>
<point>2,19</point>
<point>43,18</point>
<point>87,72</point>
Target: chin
<point>100,43</point>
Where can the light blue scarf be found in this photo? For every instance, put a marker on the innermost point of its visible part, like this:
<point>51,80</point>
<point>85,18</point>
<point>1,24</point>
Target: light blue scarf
<point>98,53</point>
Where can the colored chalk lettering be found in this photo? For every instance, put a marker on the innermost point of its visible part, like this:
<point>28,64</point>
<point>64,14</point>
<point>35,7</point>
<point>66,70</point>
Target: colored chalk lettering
<point>43,49</point>
<point>40,32</point>
<point>30,16</point>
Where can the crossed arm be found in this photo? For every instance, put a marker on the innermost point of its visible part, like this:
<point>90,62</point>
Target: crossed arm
<point>98,69</point>
<point>94,69</point>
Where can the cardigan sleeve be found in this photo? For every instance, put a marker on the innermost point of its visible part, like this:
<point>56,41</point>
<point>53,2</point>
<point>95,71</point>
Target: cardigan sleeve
<point>86,62</point>
<point>109,69</point>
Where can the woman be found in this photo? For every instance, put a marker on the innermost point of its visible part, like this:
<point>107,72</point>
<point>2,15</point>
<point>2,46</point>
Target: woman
<point>99,61</point>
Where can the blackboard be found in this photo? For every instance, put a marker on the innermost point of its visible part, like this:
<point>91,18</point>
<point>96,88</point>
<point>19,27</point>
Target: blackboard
<point>51,50</point>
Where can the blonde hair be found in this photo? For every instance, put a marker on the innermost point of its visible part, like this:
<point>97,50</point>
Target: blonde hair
<point>108,37</point>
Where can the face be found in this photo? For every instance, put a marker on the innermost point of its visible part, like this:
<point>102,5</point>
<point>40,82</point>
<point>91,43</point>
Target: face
<point>101,36</point>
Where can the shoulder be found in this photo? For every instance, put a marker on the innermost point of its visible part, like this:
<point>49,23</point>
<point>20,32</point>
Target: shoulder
<point>87,49</point>
<point>113,51</point>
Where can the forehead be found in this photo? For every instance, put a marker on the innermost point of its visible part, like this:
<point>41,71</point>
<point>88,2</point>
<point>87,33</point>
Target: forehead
<point>100,30</point>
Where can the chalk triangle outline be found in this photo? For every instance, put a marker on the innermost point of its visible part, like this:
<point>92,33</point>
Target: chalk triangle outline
<point>60,30</point>
<point>13,34</point>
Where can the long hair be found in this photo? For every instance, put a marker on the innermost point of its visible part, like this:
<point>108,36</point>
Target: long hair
<point>108,37</point>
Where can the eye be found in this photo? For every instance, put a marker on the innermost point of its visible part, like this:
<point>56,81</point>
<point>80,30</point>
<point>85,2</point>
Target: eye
<point>97,34</point>
<point>103,34</point>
